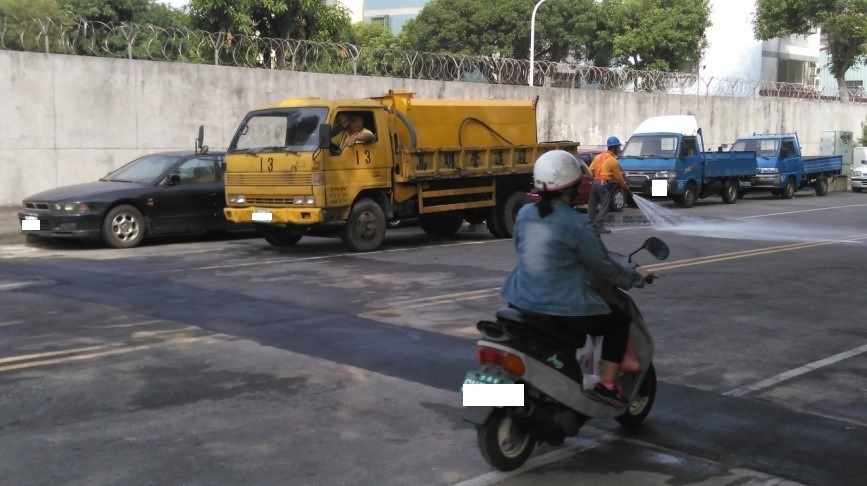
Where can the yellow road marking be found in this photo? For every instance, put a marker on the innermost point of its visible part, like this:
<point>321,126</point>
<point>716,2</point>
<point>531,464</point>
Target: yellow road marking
<point>481,294</point>
<point>79,354</point>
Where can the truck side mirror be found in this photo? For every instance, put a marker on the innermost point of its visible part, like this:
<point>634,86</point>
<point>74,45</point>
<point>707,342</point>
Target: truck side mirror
<point>325,136</point>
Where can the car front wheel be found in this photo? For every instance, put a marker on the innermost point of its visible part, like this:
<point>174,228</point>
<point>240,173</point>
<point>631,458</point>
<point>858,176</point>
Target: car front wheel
<point>123,227</point>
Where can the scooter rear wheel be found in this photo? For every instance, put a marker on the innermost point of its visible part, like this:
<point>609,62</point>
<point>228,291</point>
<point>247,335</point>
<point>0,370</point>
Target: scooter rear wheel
<point>639,408</point>
<point>504,443</point>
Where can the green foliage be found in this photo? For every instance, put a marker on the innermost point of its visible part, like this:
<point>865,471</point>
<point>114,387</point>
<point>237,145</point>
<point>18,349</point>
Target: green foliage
<point>659,35</point>
<point>564,28</point>
<point>863,140</point>
<point>380,50</point>
<point>107,10</point>
<point>20,20</point>
<point>280,19</point>
<point>842,22</point>
<point>645,34</point>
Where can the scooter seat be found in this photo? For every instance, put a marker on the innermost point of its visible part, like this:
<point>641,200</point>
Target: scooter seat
<point>542,324</point>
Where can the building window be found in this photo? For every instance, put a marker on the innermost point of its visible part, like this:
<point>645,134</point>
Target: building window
<point>381,20</point>
<point>855,88</point>
<point>793,71</point>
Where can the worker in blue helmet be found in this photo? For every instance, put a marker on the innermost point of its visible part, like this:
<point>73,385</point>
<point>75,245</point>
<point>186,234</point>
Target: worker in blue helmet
<point>607,175</point>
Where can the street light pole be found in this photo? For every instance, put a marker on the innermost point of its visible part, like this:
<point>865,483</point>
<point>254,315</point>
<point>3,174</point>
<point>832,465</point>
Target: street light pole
<point>533,41</point>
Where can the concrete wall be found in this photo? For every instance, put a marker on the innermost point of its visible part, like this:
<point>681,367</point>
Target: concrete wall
<point>69,119</point>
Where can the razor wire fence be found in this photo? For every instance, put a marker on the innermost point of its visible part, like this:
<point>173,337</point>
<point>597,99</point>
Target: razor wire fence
<point>74,35</point>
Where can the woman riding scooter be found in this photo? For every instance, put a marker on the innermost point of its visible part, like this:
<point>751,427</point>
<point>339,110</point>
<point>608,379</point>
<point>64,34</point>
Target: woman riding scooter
<point>558,251</point>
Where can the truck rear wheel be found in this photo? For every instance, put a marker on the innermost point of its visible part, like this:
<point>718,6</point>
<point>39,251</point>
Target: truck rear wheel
<point>365,228</point>
<point>730,192</point>
<point>618,200</point>
<point>821,187</point>
<point>501,221</point>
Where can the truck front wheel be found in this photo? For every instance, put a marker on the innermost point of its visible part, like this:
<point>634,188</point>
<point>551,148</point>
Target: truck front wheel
<point>689,196</point>
<point>365,228</point>
<point>788,191</point>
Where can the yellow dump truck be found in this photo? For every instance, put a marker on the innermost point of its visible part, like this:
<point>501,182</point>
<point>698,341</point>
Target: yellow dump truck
<point>441,161</point>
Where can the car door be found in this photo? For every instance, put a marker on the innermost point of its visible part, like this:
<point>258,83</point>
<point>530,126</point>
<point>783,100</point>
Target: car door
<point>191,197</point>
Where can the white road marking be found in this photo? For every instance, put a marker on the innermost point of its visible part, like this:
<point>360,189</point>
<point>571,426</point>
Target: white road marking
<point>804,211</point>
<point>588,439</point>
<point>788,375</point>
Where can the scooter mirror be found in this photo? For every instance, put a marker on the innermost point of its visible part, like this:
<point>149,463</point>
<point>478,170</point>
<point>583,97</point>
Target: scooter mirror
<point>656,247</point>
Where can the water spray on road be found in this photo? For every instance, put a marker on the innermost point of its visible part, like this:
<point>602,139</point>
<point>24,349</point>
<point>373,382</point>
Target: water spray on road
<point>664,219</point>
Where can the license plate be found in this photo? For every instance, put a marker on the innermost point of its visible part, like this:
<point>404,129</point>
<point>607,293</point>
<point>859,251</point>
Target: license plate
<point>476,377</point>
<point>30,223</point>
<point>745,184</point>
<point>261,215</point>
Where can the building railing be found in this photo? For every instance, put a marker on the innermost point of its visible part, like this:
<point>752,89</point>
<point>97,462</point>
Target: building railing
<point>138,41</point>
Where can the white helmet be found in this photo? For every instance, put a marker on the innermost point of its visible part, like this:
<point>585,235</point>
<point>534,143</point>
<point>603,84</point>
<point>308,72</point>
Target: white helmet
<point>555,170</point>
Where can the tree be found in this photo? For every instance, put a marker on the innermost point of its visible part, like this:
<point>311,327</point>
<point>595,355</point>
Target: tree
<point>659,35</point>
<point>107,10</point>
<point>843,23</point>
<point>564,28</point>
<point>279,19</point>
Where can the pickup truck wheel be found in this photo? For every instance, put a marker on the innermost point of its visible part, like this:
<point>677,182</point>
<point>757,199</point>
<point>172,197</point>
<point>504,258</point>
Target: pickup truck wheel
<point>123,227</point>
<point>442,224</point>
<point>730,192</point>
<point>690,194</point>
<point>821,187</point>
<point>788,191</point>
<point>856,189</point>
<point>278,236</point>
<point>618,200</point>
<point>365,228</point>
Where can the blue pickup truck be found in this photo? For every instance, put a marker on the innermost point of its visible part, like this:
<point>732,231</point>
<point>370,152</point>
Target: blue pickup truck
<point>671,149</point>
<point>782,169</point>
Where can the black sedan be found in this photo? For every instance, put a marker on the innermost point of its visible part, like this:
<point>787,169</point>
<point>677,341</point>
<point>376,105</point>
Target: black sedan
<point>158,194</point>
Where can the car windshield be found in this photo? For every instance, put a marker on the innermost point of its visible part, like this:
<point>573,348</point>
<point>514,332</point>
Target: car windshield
<point>286,129</point>
<point>762,148</point>
<point>144,170</point>
<point>660,146</point>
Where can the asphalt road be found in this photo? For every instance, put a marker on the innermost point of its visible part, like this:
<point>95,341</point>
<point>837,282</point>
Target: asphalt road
<point>194,361</point>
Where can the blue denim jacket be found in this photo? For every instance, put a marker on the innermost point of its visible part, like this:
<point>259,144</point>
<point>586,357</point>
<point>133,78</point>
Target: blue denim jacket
<point>556,256</point>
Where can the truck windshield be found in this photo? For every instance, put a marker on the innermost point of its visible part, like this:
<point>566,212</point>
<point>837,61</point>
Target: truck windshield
<point>286,129</point>
<point>653,146</point>
<point>762,148</point>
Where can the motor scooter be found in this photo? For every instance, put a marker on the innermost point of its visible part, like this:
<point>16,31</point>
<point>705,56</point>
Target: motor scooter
<point>527,348</point>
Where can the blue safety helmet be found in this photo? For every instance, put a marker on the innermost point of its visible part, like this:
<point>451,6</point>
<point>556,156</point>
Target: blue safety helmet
<point>612,142</point>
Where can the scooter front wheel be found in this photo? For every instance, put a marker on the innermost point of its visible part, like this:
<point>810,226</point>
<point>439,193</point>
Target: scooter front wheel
<point>504,443</point>
<point>640,406</point>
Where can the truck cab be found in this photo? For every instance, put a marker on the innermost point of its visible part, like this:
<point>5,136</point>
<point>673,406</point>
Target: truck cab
<point>671,149</point>
<point>781,167</point>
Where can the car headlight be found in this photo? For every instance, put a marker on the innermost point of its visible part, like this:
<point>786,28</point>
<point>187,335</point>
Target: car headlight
<point>237,199</point>
<point>857,173</point>
<point>71,207</point>
<point>664,174</point>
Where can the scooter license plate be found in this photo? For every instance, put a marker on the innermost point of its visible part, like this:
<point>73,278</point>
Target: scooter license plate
<point>476,377</point>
